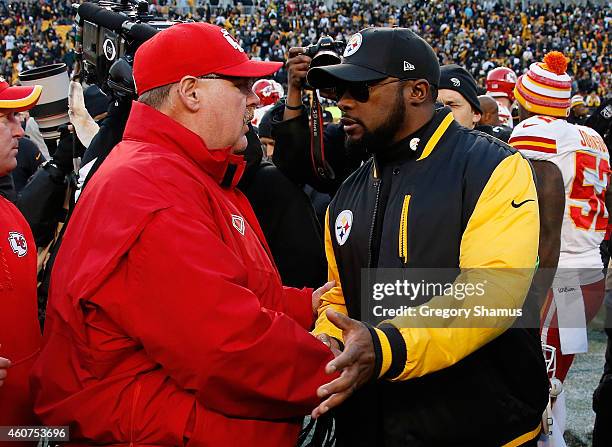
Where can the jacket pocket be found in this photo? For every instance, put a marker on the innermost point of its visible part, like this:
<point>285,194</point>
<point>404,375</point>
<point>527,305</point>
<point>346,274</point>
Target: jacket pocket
<point>403,231</point>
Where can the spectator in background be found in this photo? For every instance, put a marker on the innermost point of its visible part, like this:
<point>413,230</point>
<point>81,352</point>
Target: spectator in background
<point>458,91</point>
<point>265,135</point>
<point>29,158</point>
<point>578,110</point>
<point>490,122</point>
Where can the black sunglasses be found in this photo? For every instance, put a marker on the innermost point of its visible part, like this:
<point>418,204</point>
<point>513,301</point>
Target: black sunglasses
<point>359,91</point>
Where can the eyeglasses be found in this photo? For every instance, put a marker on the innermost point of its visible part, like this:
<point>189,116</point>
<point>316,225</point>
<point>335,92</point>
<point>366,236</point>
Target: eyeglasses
<point>245,85</point>
<point>359,91</point>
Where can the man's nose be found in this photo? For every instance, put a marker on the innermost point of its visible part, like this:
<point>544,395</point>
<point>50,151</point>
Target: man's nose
<point>16,129</point>
<point>346,102</point>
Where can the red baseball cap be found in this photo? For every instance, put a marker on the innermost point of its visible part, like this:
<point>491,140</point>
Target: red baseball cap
<point>18,98</point>
<point>195,49</point>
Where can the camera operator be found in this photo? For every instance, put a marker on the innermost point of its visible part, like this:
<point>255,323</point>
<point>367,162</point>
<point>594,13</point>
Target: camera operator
<point>292,133</point>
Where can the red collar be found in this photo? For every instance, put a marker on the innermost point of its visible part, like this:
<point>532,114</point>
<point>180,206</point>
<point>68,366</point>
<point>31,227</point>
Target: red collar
<point>148,125</point>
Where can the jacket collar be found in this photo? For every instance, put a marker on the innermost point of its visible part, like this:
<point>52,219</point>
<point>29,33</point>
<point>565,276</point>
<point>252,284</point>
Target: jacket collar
<point>147,125</point>
<point>418,145</point>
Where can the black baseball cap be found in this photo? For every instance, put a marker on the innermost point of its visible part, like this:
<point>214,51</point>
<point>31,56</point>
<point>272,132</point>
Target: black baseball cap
<point>376,53</point>
<point>457,78</point>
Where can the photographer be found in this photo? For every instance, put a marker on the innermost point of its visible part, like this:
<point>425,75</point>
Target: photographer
<point>292,132</point>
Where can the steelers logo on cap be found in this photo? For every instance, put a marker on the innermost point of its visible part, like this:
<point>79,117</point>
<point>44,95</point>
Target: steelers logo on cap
<point>353,44</point>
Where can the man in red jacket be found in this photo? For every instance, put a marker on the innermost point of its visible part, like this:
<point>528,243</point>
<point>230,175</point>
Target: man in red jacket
<point>167,321</point>
<point>19,330</point>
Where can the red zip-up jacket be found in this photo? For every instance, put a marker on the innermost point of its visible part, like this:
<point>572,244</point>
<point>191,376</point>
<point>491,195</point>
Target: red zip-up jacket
<point>19,329</point>
<point>167,318</point>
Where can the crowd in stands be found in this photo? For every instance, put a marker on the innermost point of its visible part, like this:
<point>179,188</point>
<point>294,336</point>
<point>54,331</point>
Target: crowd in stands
<point>478,35</point>
<point>35,33</point>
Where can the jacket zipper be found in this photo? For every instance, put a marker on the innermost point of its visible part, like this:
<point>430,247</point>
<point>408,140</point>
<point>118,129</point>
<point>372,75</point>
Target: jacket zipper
<point>403,231</point>
<point>134,402</point>
<point>377,184</point>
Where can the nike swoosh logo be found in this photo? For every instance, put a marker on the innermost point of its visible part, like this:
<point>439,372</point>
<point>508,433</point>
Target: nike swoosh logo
<point>516,205</point>
<point>530,125</point>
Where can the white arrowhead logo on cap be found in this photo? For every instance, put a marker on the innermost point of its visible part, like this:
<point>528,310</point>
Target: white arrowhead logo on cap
<point>456,82</point>
<point>353,44</point>
<point>230,39</point>
<point>408,66</point>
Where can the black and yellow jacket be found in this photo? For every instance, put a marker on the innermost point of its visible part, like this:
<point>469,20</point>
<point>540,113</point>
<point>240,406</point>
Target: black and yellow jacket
<point>444,201</point>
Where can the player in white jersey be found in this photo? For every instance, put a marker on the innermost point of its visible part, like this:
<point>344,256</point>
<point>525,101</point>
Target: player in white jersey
<point>500,85</point>
<point>581,157</point>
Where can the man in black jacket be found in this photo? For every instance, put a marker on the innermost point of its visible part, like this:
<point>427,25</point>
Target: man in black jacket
<point>287,219</point>
<point>435,195</point>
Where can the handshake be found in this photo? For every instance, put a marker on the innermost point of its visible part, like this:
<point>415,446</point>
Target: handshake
<point>354,360</point>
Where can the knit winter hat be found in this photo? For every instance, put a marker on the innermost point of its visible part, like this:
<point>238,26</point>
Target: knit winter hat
<point>546,88</point>
<point>577,100</point>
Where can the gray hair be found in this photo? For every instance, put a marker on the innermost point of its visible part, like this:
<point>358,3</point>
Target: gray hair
<point>156,97</point>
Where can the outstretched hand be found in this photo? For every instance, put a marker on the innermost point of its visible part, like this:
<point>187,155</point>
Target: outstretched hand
<point>356,363</point>
<point>317,294</point>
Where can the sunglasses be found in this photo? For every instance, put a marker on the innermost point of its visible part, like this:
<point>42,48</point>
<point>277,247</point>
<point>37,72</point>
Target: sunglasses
<point>359,91</point>
<point>245,85</point>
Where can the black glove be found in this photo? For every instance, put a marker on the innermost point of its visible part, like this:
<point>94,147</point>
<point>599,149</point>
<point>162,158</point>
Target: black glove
<point>63,156</point>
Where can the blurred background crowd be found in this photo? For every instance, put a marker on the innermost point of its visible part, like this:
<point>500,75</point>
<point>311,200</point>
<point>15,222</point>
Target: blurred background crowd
<point>477,35</point>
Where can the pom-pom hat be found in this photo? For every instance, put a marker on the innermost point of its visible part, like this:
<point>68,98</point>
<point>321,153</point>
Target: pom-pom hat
<point>546,88</point>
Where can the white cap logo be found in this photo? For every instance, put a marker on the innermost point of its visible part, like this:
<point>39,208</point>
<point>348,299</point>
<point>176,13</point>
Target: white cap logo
<point>456,82</point>
<point>231,40</point>
<point>408,66</point>
<point>353,44</point>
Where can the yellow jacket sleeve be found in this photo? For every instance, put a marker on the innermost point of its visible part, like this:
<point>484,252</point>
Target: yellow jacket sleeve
<point>498,248</point>
<point>333,299</point>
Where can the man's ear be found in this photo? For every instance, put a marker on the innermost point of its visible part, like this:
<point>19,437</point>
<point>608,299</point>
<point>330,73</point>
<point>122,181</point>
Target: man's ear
<point>419,93</point>
<point>188,93</point>
<point>477,117</point>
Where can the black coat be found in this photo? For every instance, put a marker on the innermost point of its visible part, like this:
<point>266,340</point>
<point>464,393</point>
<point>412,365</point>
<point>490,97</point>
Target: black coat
<point>287,219</point>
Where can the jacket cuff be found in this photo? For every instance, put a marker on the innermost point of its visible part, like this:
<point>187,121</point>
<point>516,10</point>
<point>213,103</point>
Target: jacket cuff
<point>382,352</point>
<point>298,305</point>
<point>397,350</point>
<point>389,351</point>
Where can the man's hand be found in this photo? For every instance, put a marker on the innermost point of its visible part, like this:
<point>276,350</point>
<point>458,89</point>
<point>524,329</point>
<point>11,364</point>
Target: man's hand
<point>4,365</point>
<point>297,67</point>
<point>356,363</point>
<point>331,343</point>
<point>317,294</point>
